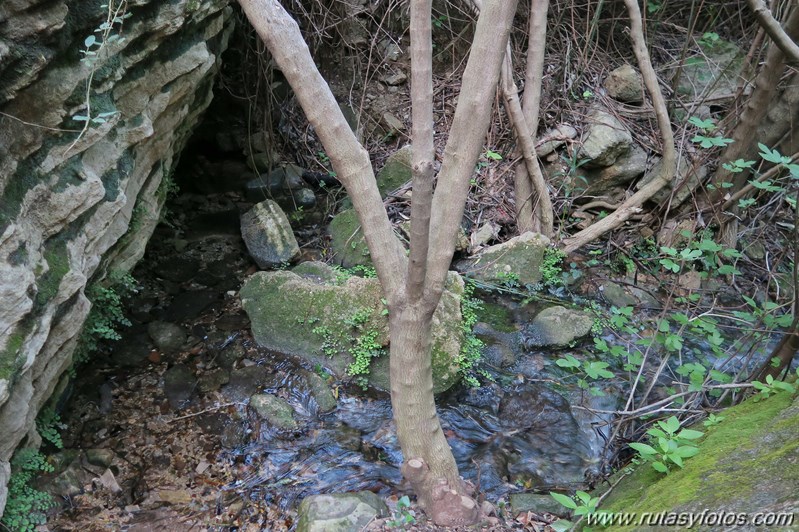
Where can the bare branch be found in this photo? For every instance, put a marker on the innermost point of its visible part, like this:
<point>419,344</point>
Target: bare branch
<point>469,127</point>
<point>350,160</point>
<point>668,165</point>
<point>774,30</point>
<point>422,147</point>
<point>531,103</point>
<point>526,145</point>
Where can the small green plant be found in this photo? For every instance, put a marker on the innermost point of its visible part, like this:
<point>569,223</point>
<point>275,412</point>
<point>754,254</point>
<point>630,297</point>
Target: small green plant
<point>439,21</point>
<point>668,445</point>
<point>653,7</point>
<point>508,280</point>
<point>707,126</point>
<point>26,506</point>
<point>106,315</point>
<point>486,158</point>
<point>403,515</point>
<point>472,347</point>
<point>48,422</point>
<point>96,48</point>
<point>363,351</point>
<point>321,371</point>
<point>581,504</point>
<point>551,267</point>
<point>771,387</point>
<point>709,39</point>
<point>587,372</point>
<point>712,420</point>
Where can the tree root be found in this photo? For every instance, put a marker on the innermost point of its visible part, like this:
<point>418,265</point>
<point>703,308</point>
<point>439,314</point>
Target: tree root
<point>445,504</point>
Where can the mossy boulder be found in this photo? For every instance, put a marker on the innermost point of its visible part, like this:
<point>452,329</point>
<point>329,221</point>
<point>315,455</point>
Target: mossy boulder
<point>712,73</point>
<point>395,172</point>
<point>334,323</point>
<point>347,241</point>
<point>747,463</point>
<point>519,258</point>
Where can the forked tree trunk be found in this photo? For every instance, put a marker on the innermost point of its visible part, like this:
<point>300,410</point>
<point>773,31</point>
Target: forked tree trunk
<point>412,292</point>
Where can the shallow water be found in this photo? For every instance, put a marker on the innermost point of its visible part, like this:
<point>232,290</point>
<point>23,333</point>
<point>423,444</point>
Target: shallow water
<point>517,432</point>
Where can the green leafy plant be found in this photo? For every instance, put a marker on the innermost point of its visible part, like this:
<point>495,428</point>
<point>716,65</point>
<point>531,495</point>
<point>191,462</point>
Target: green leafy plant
<point>712,420</point>
<point>26,506</point>
<point>581,504</point>
<point>48,422</point>
<point>486,158</point>
<point>403,515</point>
<point>709,39</point>
<point>508,280</point>
<point>587,372</point>
<point>551,269</point>
<point>106,316</point>
<point>707,126</point>
<point>95,49</point>
<point>771,387</point>
<point>670,445</point>
<point>472,347</point>
<point>653,7</point>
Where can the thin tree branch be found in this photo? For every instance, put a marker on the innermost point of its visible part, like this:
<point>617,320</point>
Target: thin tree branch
<point>668,165</point>
<point>350,160</point>
<point>422,147</point>
<point>774,30</point>
<point>526,145</point>
<point>533,77</point>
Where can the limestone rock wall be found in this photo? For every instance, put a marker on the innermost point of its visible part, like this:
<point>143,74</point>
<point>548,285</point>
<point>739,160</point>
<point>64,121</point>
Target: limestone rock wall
<point>75,207</point>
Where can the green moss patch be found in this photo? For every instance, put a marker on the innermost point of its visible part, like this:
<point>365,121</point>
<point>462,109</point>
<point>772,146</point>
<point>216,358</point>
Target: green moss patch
<point>347,241</point>
<point>499,317</point>
<point>342,324</point>
<point>747,463</point>
<point>47,284</point>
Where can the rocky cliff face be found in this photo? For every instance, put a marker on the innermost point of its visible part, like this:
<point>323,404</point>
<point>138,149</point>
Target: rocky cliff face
<point>77,206</point>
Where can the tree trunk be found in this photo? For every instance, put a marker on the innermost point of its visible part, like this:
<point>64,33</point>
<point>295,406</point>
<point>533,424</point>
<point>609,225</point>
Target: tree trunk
<point>744,135</point>
<point>413,292</point>
<point>429,464</point>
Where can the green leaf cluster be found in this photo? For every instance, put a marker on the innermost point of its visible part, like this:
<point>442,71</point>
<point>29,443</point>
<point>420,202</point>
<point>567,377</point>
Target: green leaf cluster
<point>403,516</point>
<point>26,506</point>
<point>670,445</point>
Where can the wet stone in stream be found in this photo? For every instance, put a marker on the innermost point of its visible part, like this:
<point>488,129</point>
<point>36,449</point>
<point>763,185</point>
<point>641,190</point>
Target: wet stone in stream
<point>179,386</point>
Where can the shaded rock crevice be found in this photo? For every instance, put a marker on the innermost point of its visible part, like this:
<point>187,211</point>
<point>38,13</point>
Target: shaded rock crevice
<point>74,207</point>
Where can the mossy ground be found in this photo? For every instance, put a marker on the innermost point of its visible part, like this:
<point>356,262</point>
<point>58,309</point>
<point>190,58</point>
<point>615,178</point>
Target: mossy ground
<point>746,463</point>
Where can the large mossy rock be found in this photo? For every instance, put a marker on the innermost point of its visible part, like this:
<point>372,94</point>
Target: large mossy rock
<point>339,512</point>
<point>747,463</point>
<point>519,258</point>
<point>714,72</point>
<point>322,318</point>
